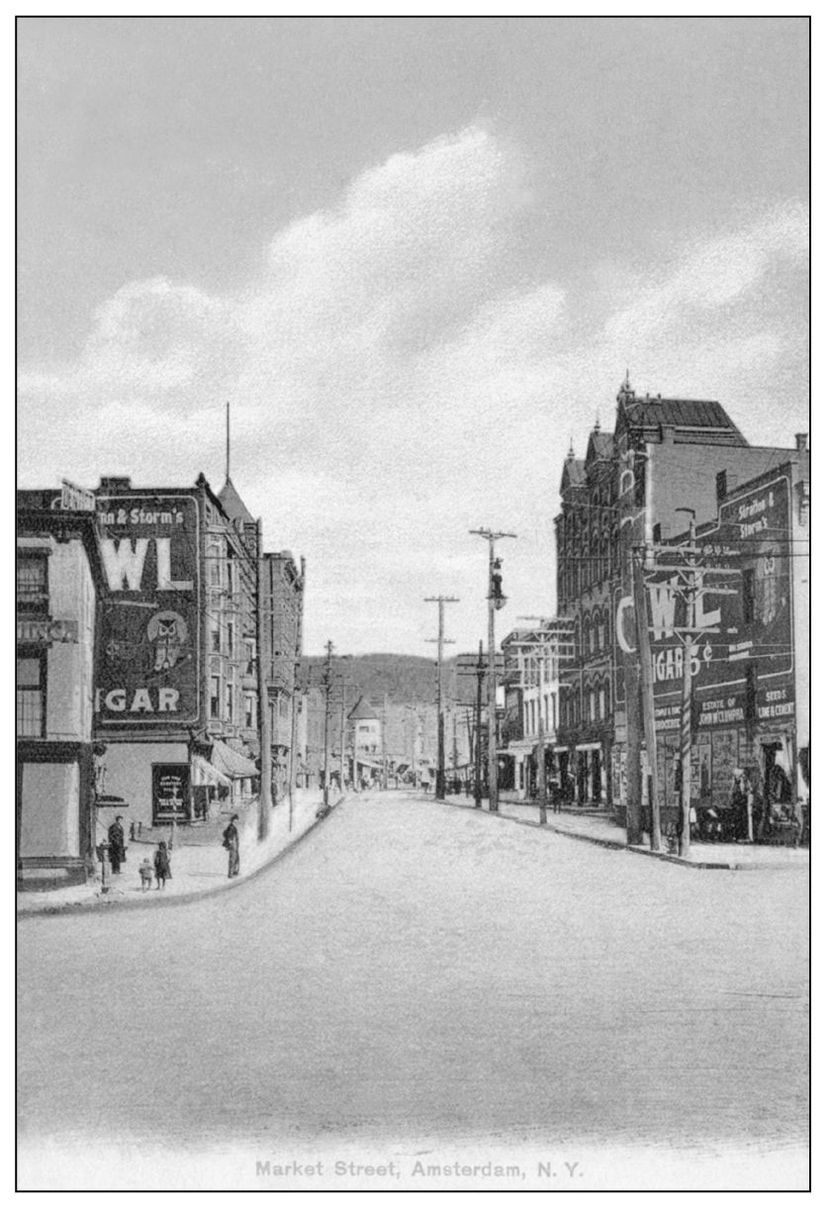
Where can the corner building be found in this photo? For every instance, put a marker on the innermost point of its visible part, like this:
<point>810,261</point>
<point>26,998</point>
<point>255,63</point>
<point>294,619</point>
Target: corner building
<point>175,699</point>
<point>59,582</point>
<point>664,453</point>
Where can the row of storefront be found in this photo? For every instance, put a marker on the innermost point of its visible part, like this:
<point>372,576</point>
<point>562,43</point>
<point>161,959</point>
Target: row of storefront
<point>137,663</point>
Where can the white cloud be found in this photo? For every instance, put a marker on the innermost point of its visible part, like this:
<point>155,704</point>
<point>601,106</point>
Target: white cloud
<point>394,384</point>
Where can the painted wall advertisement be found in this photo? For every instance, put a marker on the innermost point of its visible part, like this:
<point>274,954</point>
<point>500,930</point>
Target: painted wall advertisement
<point>750,626</point>
<point>150,656</point>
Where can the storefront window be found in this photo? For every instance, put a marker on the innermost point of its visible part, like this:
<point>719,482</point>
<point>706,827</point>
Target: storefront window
<point>31,695</point>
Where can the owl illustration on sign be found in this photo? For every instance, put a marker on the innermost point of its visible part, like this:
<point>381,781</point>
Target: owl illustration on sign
<point>167,633</point>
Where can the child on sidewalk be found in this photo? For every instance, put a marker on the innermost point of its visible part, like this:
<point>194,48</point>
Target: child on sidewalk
<point>145,870</point>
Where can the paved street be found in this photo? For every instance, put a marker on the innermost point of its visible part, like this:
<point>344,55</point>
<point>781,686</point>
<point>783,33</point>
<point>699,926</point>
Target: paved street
<point>421,973</point>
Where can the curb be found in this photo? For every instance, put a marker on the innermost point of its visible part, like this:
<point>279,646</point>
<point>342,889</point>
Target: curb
<point>177,900</point>
<point>636,849</point>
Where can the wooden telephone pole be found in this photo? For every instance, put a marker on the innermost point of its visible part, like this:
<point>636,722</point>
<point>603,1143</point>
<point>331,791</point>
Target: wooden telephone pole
<point>263,704</point>
<point>688,578</point>
<point>479,669</point>
<point>495,601</point>
<point>440,778</point>
<point>295,669</point>
<point>327,684</point>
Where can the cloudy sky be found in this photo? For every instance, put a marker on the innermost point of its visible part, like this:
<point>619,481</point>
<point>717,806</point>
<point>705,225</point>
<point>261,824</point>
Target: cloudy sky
<point>417,256</point>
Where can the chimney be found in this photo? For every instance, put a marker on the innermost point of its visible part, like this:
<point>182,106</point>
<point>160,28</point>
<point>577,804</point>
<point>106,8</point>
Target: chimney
<point>801,442</point>
<point>111,484</point>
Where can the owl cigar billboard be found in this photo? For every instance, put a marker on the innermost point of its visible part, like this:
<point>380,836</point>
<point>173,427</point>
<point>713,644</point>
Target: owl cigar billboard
<point>751,627</point>
<point>149,661</point>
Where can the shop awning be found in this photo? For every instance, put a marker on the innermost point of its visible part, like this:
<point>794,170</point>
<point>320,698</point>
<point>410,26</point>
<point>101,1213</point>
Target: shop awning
<point>203,773</point>
<point>231,762</point>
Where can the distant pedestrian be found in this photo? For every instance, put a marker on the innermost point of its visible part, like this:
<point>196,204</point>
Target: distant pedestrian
<point>118,852</point>
<point>161,864</point>
<point>230,840</point>
<point>145,871</point>
<point>556,797</point>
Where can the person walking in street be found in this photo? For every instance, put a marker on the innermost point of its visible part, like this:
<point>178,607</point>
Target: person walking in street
<point>230,840</point>
<point>161,864</point>
<point>118,852</point>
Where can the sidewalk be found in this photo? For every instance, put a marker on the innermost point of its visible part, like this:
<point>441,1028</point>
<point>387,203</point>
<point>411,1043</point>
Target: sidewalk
<point>597,828</point>
<point>199,864</point>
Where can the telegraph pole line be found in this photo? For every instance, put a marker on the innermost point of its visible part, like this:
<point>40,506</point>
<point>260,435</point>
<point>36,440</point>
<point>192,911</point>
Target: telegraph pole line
<point>689,575</point>
<point>384,783</point>
<point>495,601</point>
<point>440,779</point>
<point>479,669</point>
<point>263,706</point>
<point>295,669</point>
<point>647,687</point>
<point>327,682</point>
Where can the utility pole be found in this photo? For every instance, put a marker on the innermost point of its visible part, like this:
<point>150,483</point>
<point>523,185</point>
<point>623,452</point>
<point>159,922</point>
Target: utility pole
<point>541,774</point>
<point>480,670</point>
<point>647,686</point>
<point>385,776</point>
<point>689,586</point>
<point>478,667</point>
<point>263,705</point>
<point>298,649</point>
<point>440,780</point>
<point>495,601</point>
<point>327,680</point>
<point>343,740</point>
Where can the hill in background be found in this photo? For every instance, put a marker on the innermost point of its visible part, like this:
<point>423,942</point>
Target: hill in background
<point>404,678</point>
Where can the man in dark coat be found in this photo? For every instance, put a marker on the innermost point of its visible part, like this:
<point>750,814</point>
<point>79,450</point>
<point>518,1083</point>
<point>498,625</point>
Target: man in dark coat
<point>230,840</point>
<point>116,841</point>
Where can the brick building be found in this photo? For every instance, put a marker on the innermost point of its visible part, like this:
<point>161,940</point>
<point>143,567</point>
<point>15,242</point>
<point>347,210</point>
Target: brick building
<point>663,454</point>
<point>176,699</point>
<point>283,590</point>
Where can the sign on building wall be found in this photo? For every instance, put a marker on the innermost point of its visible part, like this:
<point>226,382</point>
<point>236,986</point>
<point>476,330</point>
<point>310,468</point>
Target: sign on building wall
<point>149,663</point>
<point>171,793</point>
<point>751,626</point>
<point>44,632</point>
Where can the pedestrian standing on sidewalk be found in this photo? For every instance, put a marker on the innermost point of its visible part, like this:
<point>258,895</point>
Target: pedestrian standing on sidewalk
<point>230,840</point>
<point>145,871</point>
<point>161,864</point>
<point>118,852</point>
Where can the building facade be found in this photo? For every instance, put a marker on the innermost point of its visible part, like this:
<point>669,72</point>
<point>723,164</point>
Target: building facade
<point>663,454</point>
<point>176,688</point>
<point>59,581</point>
<point>283,589</point>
